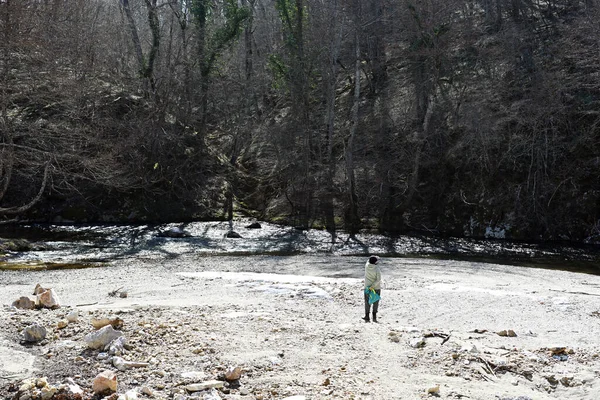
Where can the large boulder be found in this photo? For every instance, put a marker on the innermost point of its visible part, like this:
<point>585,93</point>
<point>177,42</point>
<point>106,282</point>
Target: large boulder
<point>48,299</point>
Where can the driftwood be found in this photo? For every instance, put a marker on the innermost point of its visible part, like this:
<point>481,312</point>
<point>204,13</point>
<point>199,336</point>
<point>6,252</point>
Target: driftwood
<point>115,292</point>
<point>583,293</point>
<point>86,304</point>
<point>444,336</point>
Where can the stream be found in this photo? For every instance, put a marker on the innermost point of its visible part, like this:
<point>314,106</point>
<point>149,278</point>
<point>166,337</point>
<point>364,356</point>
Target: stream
<point>87,245</point>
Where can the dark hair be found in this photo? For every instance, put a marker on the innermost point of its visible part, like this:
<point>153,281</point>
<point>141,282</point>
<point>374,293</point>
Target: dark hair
<point>373,259</point>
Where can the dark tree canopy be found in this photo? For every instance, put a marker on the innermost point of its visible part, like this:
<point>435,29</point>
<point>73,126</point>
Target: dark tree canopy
<point>466,118</point>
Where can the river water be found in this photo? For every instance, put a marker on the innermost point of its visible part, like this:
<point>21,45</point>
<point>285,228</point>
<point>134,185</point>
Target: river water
<point>80,245</point>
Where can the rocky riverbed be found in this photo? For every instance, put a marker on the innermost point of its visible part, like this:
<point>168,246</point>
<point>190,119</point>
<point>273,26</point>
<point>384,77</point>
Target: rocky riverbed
<point>288,327</point>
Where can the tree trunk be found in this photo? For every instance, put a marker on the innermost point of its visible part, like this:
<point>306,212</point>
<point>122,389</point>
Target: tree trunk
<point>154,24</point>
<point>334,50</point>
<point>137,46</point>
<point>6,152</point>
<point>353,218</point>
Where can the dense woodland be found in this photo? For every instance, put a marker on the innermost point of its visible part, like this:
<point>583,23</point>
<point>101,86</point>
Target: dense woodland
<point>451,117</point>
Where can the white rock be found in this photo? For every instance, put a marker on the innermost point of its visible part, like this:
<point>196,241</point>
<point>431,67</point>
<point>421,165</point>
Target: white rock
<point>38,289</point>
<point>117,346</point>
<point>417,342</point>
<point>48,392</point>
<point>212,395</point>
<point>48,299</point>
<point>74,388</point>
<point>129,395</point>
<point>27,385</point>
<point>196,387</point>
<point>119,363</point>
<point>34,333</point>
<point>194,375</point>
<point>73,316</point>
<point>102,337</point>
<point>469,348</point>
<point>105,381</point>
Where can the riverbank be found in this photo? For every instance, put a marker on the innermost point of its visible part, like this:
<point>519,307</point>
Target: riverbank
<point>292,324</point>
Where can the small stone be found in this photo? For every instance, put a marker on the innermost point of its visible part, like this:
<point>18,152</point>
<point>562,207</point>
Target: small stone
<point>119,363</point>
<point>147,391</point>
<point>196,387</point>
<point>117,346</point>
<point>101,338</point>
<point>471,348</point>
<point>434,390</point>
<point>213,394</point>
<point>41,382</point>
<point>233,374</point>
<point>48,391</point>
<point>34,333</point>
<point>73,316</point>
<point>62,324</point>
<point>72,387</point>
<point>105,382</point>
<point>417,342</point>
<point>24,303</point>
<point>115,322</point>
<point>27,385</point>
<point>129,395</point>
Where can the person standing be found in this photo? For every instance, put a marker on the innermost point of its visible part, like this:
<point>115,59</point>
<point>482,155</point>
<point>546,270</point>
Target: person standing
<point>372,281</point>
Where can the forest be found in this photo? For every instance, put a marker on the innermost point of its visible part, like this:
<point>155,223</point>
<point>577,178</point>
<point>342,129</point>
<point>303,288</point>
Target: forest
<point>446,117</point>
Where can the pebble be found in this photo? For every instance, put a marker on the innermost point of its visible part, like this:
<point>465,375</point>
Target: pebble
<point>73,316</point>
<point>147,391</point>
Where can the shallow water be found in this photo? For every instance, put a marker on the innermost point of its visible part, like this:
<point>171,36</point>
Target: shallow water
<point>86,245</point>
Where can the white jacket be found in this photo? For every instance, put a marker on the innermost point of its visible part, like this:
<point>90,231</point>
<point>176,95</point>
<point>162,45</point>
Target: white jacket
<point>372,276</point>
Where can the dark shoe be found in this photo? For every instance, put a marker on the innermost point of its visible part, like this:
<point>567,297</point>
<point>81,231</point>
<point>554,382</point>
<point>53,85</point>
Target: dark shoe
<point>374,317</point>
<point>367,319</point>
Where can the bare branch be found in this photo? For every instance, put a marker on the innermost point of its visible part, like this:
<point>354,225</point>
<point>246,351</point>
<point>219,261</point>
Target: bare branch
<point>26,207</point>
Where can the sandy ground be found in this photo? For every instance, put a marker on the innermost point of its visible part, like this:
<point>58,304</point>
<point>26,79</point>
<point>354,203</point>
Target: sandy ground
<point>293,324</point>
